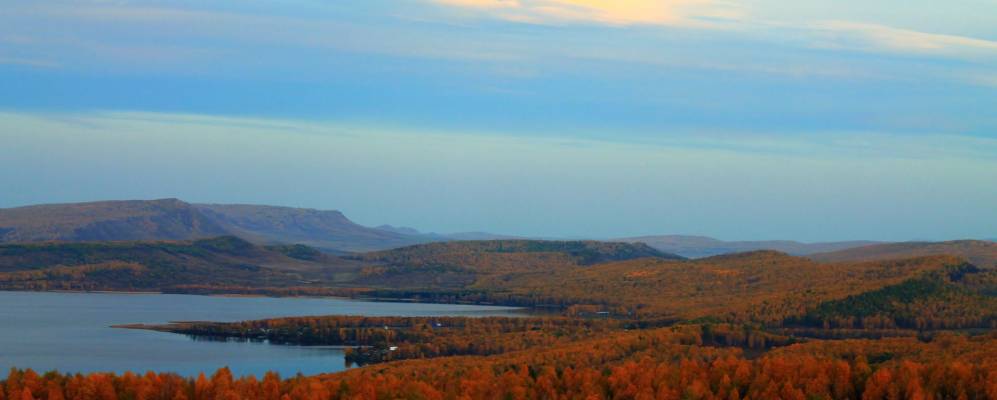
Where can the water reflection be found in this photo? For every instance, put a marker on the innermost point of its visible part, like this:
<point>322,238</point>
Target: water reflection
<point>71,332</point>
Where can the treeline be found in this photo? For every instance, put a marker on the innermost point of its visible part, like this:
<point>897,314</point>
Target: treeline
<point>380,339</point>
<point>659,364</point>
<point>290,291</point>
<point>582,252</point>
<point>151,265</point>
<point>79,277</point>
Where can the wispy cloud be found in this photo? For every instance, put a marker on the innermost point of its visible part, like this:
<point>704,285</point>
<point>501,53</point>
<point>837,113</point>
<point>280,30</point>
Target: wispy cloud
<point>30,62</point>
<point>608,12</point>
<point>735,18</point>
<point>875,37</point>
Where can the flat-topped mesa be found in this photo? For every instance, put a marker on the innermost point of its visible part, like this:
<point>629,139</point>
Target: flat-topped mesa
<point>164,219</point>
<point>173,219</point>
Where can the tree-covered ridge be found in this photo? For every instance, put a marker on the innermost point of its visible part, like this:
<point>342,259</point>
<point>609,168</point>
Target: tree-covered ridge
<point>762,287</point>
<point>982,253</point>
<point>759,287</point>
<point>956,297</point>
<point>582,252</point>
<point>159,265</point>
<point>471,264</point>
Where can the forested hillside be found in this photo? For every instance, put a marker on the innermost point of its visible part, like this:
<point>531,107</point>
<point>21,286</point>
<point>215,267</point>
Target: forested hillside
<point>577,278</point>
<point>759,286</point>
<point>688,362</point>
<point>473,264</point>
<point>162,266</point>
<point>956,297</point>
<point>623,321</point>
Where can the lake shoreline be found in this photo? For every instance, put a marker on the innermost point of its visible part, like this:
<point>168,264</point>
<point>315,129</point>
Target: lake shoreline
<point>378,299</point>
<point>72,331</point>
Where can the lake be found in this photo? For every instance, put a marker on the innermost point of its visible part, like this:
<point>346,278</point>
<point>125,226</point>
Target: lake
<point>71,332</point>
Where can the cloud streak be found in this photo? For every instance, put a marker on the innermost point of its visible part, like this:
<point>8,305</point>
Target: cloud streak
<point>728,15</point>
<point>875,37</point>
<point>30,62</point>
<point>608,12</point>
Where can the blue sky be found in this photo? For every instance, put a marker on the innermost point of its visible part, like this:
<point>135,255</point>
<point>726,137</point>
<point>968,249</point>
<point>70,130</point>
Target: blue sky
<point>585,118</point>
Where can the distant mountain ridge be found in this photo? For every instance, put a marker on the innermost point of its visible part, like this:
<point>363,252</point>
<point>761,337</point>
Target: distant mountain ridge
<point>328,230</point>
<point>164,219</point>
<point>982,253</point>
<point>703,246</point>
<point>173,219</point>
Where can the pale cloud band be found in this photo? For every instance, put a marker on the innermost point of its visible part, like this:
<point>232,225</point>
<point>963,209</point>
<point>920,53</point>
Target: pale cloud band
<point>621,12</point>
<point>727,15</point>
<point>880,37</point>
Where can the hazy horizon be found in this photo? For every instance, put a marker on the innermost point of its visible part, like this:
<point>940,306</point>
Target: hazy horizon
<point>548,237</point>
<point>747,120</point>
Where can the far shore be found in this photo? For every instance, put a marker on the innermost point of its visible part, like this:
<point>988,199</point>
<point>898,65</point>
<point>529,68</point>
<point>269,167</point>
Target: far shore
<point>183,294</point>
<point>255,295</point>
<point>92,291</point>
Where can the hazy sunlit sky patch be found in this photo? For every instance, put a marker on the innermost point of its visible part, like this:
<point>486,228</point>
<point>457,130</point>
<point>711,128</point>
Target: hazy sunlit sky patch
<point>758,119</point>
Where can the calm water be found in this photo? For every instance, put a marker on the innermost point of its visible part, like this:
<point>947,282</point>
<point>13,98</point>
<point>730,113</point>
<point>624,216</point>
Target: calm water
<point>71,332</point>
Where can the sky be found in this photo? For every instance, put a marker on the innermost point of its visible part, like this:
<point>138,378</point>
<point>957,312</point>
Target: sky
<point>756,119</point>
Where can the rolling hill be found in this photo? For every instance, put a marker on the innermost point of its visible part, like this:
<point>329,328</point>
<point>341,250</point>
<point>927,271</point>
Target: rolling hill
<point>575,277</point>
<point>163,265</point>
<point>636,280</point>
<point>981,253</point>
<point>761,286</point>
<point>702,246</point>
<point>229,263</point>
<point>956,297</point>
<point>469,264</point>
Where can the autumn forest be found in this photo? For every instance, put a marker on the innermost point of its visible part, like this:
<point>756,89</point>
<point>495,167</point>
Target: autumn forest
<point>608,320</point>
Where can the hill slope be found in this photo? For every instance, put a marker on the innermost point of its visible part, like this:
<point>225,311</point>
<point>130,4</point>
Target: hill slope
<point>159,265</point>
<point>327,230</point>
<point>172,219</point>
<point>166,219</point>
<point>763,286</point>
<point>702,246</point>
<point>957,297</point>
<point>981,253</point>
<point>470,264</point>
